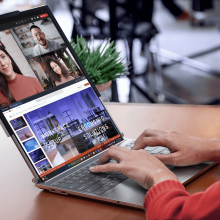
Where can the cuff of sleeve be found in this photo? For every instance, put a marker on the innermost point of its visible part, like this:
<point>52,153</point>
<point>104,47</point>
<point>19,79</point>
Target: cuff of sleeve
<point>159,188</point>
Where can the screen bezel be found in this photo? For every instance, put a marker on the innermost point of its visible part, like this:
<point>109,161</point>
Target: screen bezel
<point>19,15</point>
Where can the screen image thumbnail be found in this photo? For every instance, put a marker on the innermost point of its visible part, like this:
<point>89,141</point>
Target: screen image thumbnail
<point>37,155</point>
<point>24,133</point>
<point>43,166</point>
<point>30,144</point>
<point>18,123</point>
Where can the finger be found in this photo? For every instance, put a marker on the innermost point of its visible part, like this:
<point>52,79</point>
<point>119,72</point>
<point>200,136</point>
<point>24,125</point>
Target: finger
<point>166,158</point>
<point>152,133</point>
<point>114,152</point>
<point>150,141</point>
<point>114,167</point>
<point>149,133</point>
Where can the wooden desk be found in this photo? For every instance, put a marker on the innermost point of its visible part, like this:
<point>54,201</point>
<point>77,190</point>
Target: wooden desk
<point>20,199</point>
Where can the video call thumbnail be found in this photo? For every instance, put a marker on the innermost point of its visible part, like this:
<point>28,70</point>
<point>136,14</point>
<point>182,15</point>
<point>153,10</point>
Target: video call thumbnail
<point>18,123</point>
<point>30,145</point>
<point>24,134</point>
<point>37,155</point>
<point>43,166</point>
<point>37,38</point>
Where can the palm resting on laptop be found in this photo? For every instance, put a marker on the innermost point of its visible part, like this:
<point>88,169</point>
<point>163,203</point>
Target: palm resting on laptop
<point>150,172</point>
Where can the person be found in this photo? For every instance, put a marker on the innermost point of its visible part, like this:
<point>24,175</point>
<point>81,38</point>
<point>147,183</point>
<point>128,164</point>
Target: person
<point>43,45</point>
<point>167,198</point>
<point>13,85</point>
<point>56,70</point>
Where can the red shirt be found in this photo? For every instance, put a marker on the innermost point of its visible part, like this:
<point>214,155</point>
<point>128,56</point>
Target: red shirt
<point>22,87</point>
<point>169,200</point>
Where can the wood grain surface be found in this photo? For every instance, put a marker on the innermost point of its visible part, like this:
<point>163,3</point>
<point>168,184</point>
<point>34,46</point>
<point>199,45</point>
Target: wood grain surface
<point>20,199</point>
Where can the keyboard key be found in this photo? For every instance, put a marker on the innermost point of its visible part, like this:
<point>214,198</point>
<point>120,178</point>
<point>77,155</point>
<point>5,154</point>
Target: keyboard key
<point>122,177</point>
<point>63,185</point>
<point>99,191</point>
<point>149,149</point>
<point>97,178</point>
<point>108,173</point>
<point>82,187</point>
<point>55,184</point>
<point>104,181</point>
<point>114,175</point>
<point>118,180</point>
<point>106,187</point>
<point>103,175</point>
<point>80,174</point>
<point>86,178</point>
<point>119,173</point>
<point>73,186</point>
<point>79,181</point>
<point>68,181</point>
<point>109,178</point>
<point>75,178</point>
<point>92,188</point>
<point>112,184</point>
<point>164,152</point>
<point>67,177</point>
<point>92,182</point>
<point>86,171</point>
<point>156,150</point>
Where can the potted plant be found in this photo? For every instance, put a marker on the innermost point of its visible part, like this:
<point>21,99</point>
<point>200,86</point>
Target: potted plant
<point>102,63</point>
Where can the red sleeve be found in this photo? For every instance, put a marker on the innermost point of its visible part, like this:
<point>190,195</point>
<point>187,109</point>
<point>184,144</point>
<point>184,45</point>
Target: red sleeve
<point>169,200</point>
<point>39,87</point>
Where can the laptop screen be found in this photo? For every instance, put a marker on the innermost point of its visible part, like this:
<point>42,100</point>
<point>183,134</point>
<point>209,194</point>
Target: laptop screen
<point>47,100</point>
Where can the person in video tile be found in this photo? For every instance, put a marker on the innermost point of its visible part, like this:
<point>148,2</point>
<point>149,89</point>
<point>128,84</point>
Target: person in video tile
<point>13,85</point>
<point>56,70</point>
<point>43,45</point>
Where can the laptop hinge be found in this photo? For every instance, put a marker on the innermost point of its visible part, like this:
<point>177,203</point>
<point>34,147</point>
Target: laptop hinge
<point>5,129</point>
<point>36,180</point>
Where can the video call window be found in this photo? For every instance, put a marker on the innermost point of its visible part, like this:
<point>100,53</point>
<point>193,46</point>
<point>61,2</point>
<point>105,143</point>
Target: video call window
<point>33,58</point>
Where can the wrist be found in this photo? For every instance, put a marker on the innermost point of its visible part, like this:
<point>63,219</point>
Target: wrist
<point>161,175</point>
<point>212,151</point>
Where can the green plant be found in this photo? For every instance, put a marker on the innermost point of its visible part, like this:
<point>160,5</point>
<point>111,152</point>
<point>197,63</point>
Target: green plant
<point>102,63</point>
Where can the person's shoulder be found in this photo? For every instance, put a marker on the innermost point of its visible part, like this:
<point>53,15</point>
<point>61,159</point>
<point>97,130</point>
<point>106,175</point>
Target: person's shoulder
<point>54,43</point>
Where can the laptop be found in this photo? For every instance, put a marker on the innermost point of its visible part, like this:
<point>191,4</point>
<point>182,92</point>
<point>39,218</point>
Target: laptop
<point>53,112</point>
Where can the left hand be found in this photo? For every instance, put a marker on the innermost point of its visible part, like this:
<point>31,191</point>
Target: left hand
<point>138,165</point>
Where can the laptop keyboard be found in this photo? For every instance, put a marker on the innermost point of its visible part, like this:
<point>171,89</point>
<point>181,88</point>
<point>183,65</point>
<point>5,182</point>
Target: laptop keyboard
<point>84,181</point>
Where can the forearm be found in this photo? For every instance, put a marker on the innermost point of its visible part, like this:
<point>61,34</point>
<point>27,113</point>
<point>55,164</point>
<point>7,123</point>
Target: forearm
<point>169,200</point>
<point>211,151</point>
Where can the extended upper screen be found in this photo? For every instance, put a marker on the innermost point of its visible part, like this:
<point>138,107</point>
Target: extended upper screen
<point>33,58</point>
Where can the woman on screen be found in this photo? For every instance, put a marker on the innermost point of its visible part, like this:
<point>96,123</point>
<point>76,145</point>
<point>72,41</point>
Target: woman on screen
<point>57,71</point>
<point>13,85</point>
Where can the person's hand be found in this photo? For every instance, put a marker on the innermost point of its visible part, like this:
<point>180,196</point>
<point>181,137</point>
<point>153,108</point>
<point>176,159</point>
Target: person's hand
<point>185,150</point>
<point>138,165</point>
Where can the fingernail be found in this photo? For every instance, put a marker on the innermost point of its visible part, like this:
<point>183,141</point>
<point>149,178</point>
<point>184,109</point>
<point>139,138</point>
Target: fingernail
<point>92,168</point>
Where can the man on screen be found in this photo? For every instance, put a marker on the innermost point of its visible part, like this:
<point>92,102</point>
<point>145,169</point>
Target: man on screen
<point>43,45</point>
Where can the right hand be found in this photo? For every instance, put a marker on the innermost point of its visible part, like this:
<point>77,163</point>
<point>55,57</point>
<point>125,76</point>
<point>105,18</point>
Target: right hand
<point>185,150</point>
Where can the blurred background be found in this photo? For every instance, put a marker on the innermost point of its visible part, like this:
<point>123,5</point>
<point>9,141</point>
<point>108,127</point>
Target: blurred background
<point>173,46</point>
